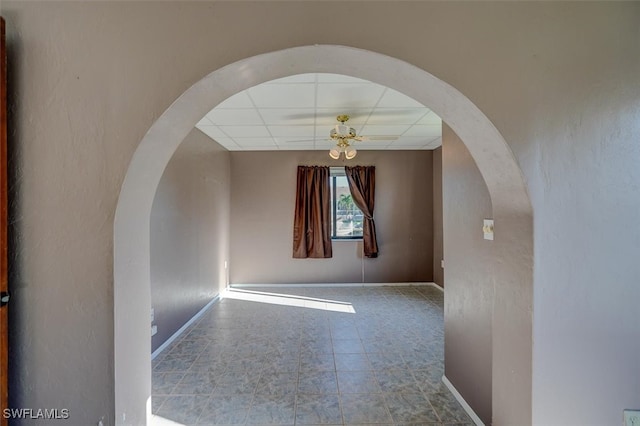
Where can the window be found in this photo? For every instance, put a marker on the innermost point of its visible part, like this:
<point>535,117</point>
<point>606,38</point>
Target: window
<point>346,217</point>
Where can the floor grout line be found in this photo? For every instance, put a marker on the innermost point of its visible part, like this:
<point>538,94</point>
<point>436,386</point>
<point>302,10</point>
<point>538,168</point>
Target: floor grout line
<point>383,323</point>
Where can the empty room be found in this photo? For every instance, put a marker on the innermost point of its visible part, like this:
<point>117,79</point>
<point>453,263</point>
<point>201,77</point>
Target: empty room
<point>285,212</point>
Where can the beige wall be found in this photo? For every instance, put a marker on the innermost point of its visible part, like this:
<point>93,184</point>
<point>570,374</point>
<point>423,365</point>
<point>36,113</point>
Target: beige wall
<point>469,292</point>
<point>438,253</point>
<point>262,206</point>
<point>557,79</point>
<point>189,233</point>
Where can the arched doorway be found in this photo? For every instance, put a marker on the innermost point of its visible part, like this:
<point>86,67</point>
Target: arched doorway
<point>512,209</point>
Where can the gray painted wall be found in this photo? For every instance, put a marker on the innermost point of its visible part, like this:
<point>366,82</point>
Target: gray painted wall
<point>262,205</point>
<point>189,233</point>
<point>438,253</point>
<point>468,302</point>
<point>557,79</point>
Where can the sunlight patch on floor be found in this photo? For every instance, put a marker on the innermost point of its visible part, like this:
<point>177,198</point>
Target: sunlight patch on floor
<point>288,300</point>
<point>161,421</point>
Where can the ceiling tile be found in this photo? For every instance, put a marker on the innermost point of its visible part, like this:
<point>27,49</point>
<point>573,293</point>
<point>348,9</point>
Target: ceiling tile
<point>435,143</point>
<point>204,122</point>
<point>345,97</point>
<point>411,141</point>
<point>246,131</point>
<point>239,100</point>
<point>339,78</point>
<point>296,147</point>
<point>372,145</point>
<point>328,116</point>
<point>227,143</point>
<point>430,119</point>
<point>430,132</point>
<point>395,99</point>
<point>235,117</point>
<point>406,147</point>
<point>290,108</point>
<point>283,95</point>
<point>288,116</point>
<point>245,142</point>
<point>212,131</point>
<point>292,131</point>
<point>298,78</point>
<point>260,148</point>
<point>384,130</point>
<point>396,115</point>
<point>283,140</point>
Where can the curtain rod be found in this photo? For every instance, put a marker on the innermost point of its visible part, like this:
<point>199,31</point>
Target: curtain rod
<point>326,165</point>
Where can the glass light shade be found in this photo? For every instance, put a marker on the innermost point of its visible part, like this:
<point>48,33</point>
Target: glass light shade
<point>334,153</point>
<point>350,153</point>
<point>342,129</point>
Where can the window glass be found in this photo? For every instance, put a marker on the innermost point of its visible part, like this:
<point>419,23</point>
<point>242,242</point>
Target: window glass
<point>347,219</point>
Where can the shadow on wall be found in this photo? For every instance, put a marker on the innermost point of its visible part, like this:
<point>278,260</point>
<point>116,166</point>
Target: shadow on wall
<point>17,307</point>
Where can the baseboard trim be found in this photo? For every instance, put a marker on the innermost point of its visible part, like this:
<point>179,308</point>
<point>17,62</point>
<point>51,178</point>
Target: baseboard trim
<point>462,402</point>
<point>437,286</point>
<point>186,325</point>
<point>334,285</point>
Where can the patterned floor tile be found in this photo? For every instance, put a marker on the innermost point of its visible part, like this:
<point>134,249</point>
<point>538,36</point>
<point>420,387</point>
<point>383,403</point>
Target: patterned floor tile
<point>257,364</point>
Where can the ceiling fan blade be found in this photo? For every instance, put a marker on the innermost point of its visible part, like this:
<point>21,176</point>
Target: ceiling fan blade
<point>300,116</point>
<point>306,140</point>
<point>376,138</point>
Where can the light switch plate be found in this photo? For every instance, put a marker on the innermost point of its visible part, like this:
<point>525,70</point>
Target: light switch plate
<point>154,330</point>
<point>631,417</point>
<point>487,229</point>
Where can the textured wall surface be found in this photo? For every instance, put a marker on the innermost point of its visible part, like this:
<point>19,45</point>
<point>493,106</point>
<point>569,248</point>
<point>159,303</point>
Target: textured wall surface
<point>557,79</point>
<point>469,293</point>
<point>438,251</point>
<point>189,233</point>
<point>262,206</point>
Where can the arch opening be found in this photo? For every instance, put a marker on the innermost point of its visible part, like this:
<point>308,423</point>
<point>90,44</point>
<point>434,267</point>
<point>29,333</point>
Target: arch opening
<point>499,168</point>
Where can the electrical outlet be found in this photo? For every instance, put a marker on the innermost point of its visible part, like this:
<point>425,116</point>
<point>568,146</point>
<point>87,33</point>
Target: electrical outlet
<point>153,314</point>
<point>631,417</point>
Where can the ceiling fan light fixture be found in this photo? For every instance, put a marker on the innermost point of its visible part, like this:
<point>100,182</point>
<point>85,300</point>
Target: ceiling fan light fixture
<point>342,135</point>
<point>350,153</point>
<point>334,153</point>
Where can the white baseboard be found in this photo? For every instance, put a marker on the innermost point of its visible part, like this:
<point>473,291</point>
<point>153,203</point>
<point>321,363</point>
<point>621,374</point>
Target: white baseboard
<point>334,285</point>
<point>462,402</point>
<point>186,325</point>
<point>436,286</point>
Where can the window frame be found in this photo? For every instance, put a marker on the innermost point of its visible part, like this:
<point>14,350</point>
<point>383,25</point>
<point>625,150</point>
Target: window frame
<point>334,173</point>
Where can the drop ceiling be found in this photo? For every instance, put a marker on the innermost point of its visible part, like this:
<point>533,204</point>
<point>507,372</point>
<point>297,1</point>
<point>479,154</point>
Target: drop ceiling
<point>298,112</point>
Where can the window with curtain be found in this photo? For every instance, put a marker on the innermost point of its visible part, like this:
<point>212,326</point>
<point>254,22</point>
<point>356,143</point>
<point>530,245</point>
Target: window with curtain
<point>362,184</point>
<point>346,218</point>
<point>324,209</point>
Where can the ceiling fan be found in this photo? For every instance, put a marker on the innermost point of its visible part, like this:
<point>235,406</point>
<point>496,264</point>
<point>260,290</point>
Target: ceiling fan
<point>344,135</point>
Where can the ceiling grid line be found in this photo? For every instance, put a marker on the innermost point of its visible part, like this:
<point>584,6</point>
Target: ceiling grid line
<point>297,113</point>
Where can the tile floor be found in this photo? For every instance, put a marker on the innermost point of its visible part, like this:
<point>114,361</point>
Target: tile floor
<point>253,363</point>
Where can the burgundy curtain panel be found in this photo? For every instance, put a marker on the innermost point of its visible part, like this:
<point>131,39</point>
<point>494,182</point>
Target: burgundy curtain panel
<point>362,184</point>
<point>312,220</point>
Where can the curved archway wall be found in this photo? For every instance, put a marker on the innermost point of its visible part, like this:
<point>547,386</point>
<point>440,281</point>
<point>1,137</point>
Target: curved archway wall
<point>512,345</point>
